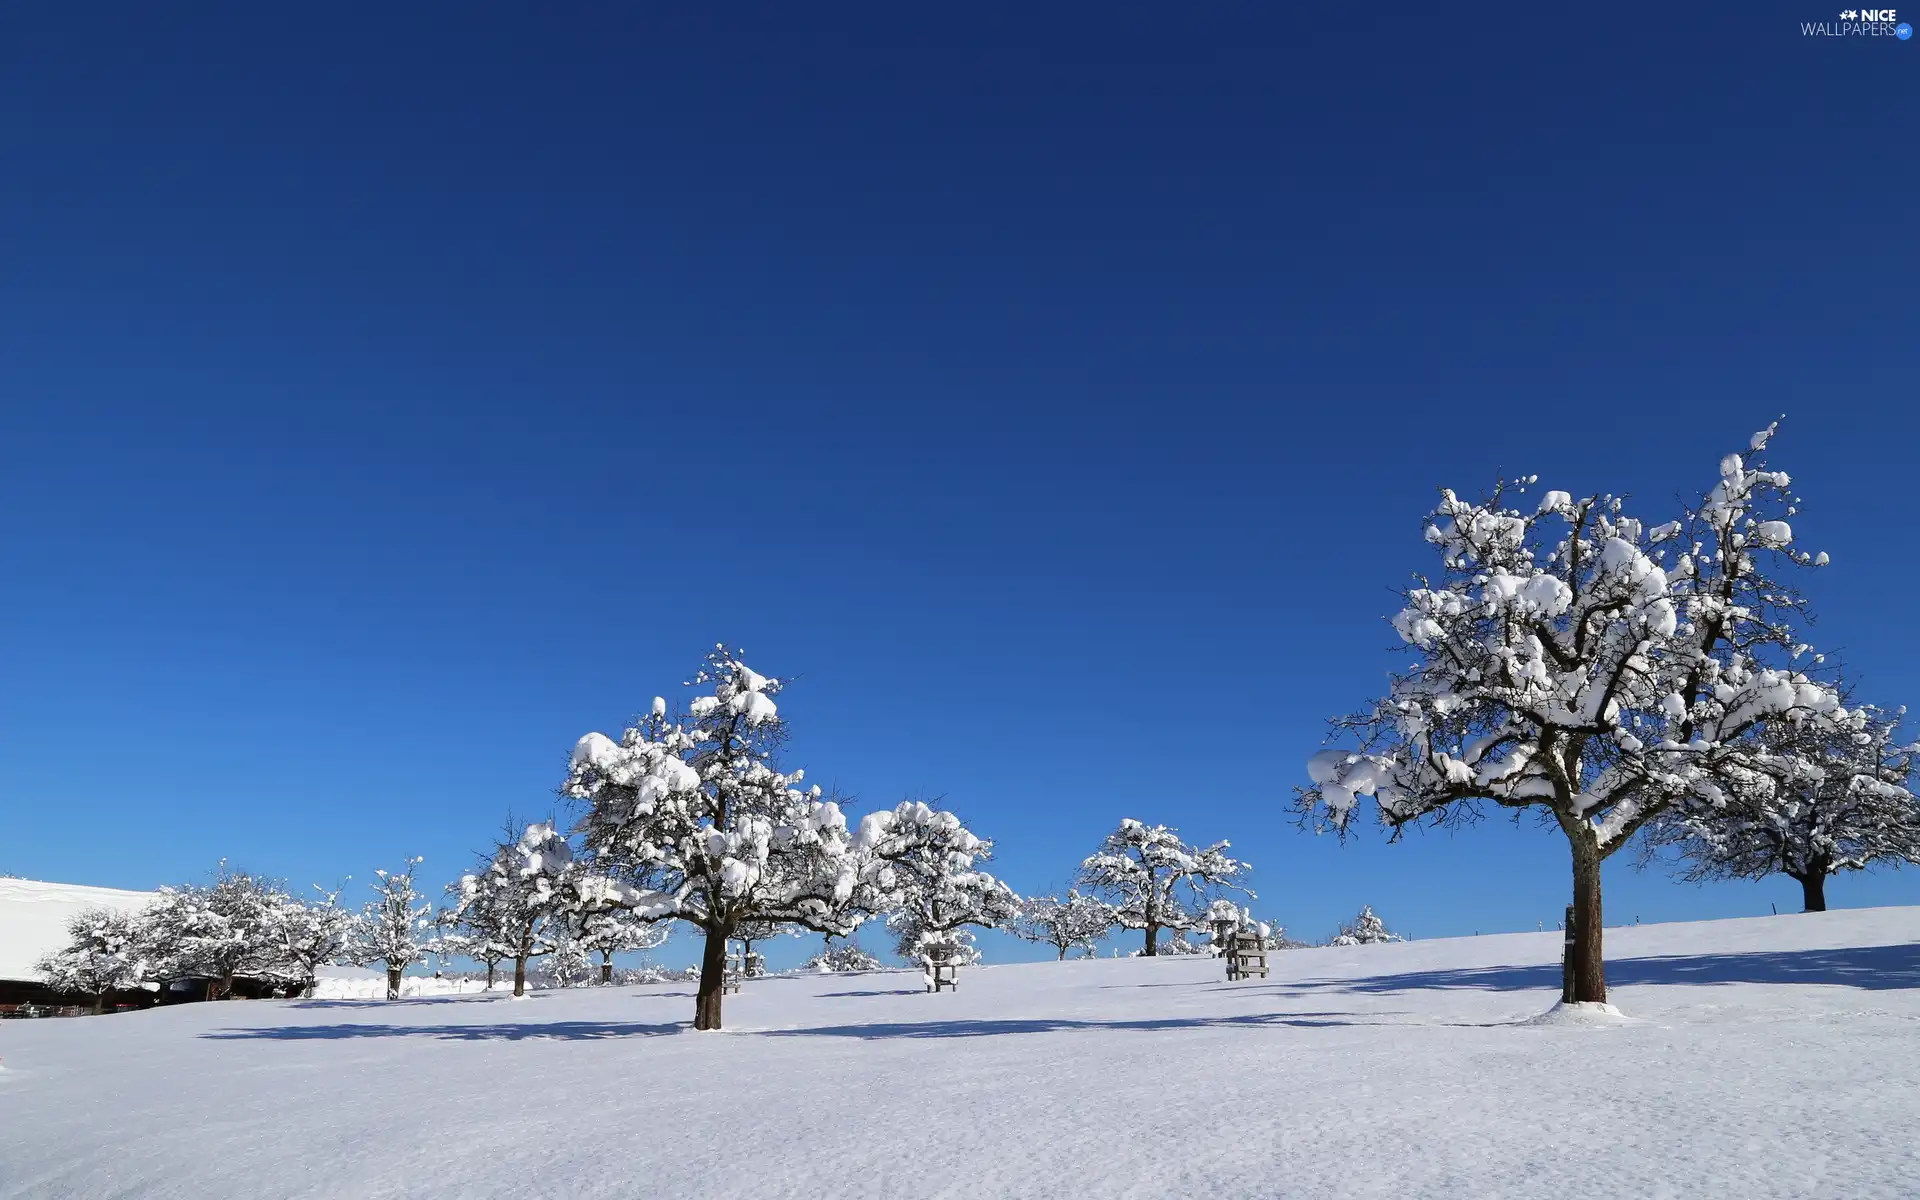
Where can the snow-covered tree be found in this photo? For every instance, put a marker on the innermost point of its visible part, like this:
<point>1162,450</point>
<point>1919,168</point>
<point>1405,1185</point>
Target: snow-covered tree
<point>220,931</point>
<point>568,962</point>
<point>527,893</point>
<point>310,935</point>
<point>395,925</point>
<point>695,813</point>
<point>921,865</point>
<point>1063,923</point>
<point>1571,660</point>
<point>1826,798</point>
<point>748,934</point>
<point>474,927</point>
<point>1153,881</point>
<point>605,928</point>
<point>103,954</point>
<point>1236,920</point>
<point>844,958</point>
<point>1367,929</point>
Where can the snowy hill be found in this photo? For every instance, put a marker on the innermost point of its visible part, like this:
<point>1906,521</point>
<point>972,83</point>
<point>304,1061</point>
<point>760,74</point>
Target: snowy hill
<point>1773,1056</point>
<point>34,915</point>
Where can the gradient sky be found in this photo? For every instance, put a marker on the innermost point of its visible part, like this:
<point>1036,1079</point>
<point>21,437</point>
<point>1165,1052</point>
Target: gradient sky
<point>387,399</point>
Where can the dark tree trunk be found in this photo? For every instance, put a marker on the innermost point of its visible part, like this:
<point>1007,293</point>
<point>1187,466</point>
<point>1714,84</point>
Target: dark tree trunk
<point>1589,959</point>
<point>99,1003</point>
<point>519,976</point>
<point>224,986</point>
<point>309,987</point>
<point>490,969</point>
<point>1813,890</point>
<point>713,975</point>
<point>1153,939</point>
<point>393,983</point>
<point>1063,954</point>
<point>606,967</point>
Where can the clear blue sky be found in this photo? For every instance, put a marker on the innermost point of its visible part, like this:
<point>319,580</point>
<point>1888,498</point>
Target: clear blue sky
<point>386,399</point>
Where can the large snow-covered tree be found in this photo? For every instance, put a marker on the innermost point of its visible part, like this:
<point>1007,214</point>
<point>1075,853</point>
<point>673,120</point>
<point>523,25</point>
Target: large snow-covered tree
<point>1826,798</point>
<point>1569,659</point>
<point>1063,922</point>
<point>1153,881</point>
<point>694,814</point>
<point>395,926</point>
<point>527,893</point>
<point>220,931</point>
<point>104,953</point>
<point>920,864</point>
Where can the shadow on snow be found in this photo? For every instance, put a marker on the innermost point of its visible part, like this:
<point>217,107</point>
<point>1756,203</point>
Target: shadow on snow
<point>557,1031</point>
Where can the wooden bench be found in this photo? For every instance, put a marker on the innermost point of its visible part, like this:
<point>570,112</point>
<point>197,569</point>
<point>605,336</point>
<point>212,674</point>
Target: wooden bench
<point>1246,957</point>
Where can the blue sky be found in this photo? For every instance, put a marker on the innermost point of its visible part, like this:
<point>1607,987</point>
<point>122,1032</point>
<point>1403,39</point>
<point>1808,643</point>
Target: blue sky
<point>388,399</point>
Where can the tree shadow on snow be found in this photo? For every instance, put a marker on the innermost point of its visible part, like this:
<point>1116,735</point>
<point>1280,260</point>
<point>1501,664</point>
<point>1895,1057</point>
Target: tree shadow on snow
<point>558,1031</point>
<point>916,991</point>
<point>991,1028</point>
<point>1872,968</point>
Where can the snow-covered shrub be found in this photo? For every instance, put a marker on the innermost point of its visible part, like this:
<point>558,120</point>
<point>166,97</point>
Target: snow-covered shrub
<point>1367,929</point>
<point>104,953</point>
<point>1075,921</point>
<point>845,958</point>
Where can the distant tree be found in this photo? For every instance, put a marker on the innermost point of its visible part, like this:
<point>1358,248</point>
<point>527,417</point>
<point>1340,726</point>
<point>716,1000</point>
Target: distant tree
<point>753,933</point>
<point>1570,660</point>
<point>844,958</point>
<point>1367,929</point>
<point>1075,921</point>
<point>698,816</point>
<point>527,889</point>
<point>921,865</point>
<point>220,931</point>
<point>1153,881</point>
<point>103,954</point>
<point>1822,799</point>
<point>603,927</point>
<point>474,927</point>
<point>393,929</point>
<point>310,935</point>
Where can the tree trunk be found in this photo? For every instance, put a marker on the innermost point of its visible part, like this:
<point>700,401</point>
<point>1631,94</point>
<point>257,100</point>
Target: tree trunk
<point>491,965</point>
<point>1589,959</point>
<point>393,983</point>
<point>1813,890</point>
<point>519,976</point>
<point>307,990</point>
<point>99,1003</point>
<point>606,967</point>
<point>225,984</point>
<point>1153,939</point>
<point>713,975</point>
<point>1063,954</point>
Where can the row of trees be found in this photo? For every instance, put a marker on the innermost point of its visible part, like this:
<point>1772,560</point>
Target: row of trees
<point>238,926</point>
<point>1613,676</point>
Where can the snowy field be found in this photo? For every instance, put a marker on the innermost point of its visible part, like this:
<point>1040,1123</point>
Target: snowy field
<point>1777,1056</point>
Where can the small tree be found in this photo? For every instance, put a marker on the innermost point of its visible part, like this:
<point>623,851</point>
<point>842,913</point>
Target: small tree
<point>103,954</point>
<point>921,863</point>
<point>749,934</point>
<point>526,892</point>
<point>695,812</point>
<point>604,928</point>
<point>1825,798</point>
<point>394,926</point>
<point>308,936</point>
<point>1153,881</point>
<point>1367,929</point>
<point>845,958</point>
<point>1563,663</point>
<point>1076,921</point>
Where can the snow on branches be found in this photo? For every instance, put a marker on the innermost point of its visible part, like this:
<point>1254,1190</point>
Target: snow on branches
<point>1152,880</point>
<point>1570,659</point>
<point>921,864</point>
<point>394,926</point>
<point>522,898</point>
<point>1367,929</point>
<point>104,953</point>
<point>694,811</point>
<point>1825,798</point>
<point>1065,923</point>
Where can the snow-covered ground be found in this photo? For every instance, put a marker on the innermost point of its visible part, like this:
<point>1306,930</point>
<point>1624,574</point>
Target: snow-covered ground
<point>1777,1056</point>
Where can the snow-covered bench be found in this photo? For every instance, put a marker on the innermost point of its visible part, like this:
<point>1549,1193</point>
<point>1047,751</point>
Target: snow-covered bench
<point>941,975</point>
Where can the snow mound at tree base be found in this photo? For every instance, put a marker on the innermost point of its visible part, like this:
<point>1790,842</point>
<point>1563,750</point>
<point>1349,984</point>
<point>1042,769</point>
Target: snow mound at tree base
<point>1583,1012</point>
